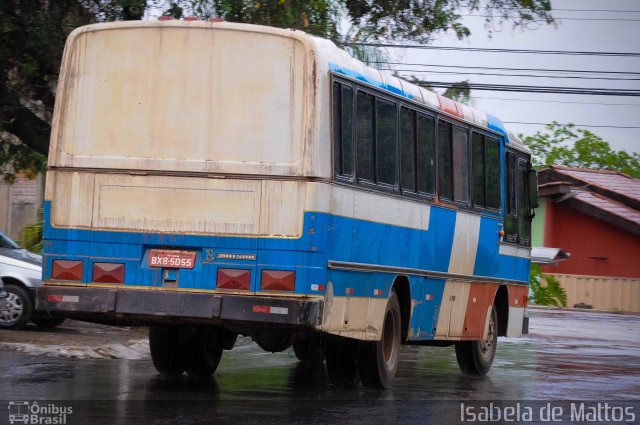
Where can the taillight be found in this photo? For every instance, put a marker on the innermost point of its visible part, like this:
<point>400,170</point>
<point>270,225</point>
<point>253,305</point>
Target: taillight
<point>67,270</point>
<point>234,279</point>
<point>278,280</point>
<point>108,273</point>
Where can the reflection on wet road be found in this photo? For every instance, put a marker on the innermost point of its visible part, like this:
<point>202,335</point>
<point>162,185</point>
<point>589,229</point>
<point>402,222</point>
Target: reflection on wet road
<point>568,355</point>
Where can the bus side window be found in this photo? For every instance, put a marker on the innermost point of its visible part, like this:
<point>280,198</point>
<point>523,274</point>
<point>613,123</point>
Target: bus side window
<point>386,143</point>
<point>407,150</point>
<point>486,171</point>
<point>364,137</point>
<point>445,189</point>
<point>511,210</point>
<point>524,219</point>
<point>453,162</point>
<point>342,129</point>
<point>460,164</point>
<point>492,170</point>
<point>426,154</point>
<point>479,174</point>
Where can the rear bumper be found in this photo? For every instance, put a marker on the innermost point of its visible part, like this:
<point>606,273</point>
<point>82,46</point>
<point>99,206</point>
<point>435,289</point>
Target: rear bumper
<point>148,306</point>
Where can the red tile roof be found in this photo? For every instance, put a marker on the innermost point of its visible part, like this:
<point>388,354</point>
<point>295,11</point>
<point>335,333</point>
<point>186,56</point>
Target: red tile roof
<point>612,207</point>
<point>609,180</point>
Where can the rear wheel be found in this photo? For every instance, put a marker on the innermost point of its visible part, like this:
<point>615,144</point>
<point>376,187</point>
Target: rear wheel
<point>47,321</point>
<point>167,352</point>
<point>310,350</point>
<point>204,352</point>
<point>19,307</point>
<point>341,356</point>
<point>378,360</point>
<point>476,357</point>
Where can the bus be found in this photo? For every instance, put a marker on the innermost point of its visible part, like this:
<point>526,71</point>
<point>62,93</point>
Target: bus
<point>211,179</point>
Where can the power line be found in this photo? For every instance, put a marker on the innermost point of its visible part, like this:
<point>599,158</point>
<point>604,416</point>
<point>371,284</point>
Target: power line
<point>577,125</point>
<point>510,75</point>
<point>595,10</point>
<point>506,69</point>
<point>533,89</point>
<point>556,101</point>
<point>492,50</point>
<point>558,18</point>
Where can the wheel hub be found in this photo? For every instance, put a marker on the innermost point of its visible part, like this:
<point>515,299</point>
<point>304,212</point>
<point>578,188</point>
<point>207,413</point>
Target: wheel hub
<point>486,345</point>
<point>12,313</point>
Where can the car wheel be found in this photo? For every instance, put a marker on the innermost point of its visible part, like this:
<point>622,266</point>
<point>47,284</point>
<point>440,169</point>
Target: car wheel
<point>19,308</point>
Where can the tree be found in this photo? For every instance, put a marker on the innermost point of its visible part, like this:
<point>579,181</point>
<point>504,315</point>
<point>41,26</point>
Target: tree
<point>32,35</point>
<point>575,147</point>
<point>550,294</point>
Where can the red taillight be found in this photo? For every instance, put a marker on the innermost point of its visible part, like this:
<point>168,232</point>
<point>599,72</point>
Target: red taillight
<point>234,279</point>
<point>108,273</point>
<point>67,270</point>
<point>278,280</point>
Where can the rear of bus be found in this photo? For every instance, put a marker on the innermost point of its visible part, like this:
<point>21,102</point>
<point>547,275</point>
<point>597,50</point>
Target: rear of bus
<point>176,183</point>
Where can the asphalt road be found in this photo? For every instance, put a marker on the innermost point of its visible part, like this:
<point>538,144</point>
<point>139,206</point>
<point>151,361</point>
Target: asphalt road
<point>569,357</point>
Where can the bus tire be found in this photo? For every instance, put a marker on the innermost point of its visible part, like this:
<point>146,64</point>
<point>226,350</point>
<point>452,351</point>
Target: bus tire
<point>204,352</point>
<point>310,350</point>
<point>166,350</point>
<point>476,357</point>
<point>48,322</point>
<point>341,355</point>
<point>378,360</point>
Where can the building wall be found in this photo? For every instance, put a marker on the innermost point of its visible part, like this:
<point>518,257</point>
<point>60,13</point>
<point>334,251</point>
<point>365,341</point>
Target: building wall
<point>19,204</point>
<point>597,248</point>
<point>603,293</point>
<point>537,225</point>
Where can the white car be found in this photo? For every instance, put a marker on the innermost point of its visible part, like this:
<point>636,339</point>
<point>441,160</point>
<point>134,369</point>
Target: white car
<point>21,273</point>
<point>3,299</point>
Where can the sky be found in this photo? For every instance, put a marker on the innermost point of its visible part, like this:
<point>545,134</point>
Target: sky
<point>600,30</point>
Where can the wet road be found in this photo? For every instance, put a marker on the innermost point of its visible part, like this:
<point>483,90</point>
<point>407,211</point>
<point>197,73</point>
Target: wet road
<point>567,356</point>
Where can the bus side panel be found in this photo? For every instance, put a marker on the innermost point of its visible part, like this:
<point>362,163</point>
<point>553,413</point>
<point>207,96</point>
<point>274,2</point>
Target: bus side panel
<point>518,297</point>
<point>426,298</point>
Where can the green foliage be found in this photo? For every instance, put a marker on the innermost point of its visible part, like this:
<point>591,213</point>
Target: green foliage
<point>550,294</point>
<point>31,236</point>
<point>575,147</point>
<point>420,20</point>
<point>459,92</point>
<point>19,158</point>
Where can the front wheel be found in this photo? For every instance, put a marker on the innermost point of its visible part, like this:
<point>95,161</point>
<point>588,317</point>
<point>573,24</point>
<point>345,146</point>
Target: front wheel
<point>378,360</point>
<point>476,357</point>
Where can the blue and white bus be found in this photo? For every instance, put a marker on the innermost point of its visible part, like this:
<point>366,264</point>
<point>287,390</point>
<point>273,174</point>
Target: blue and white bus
<point>211,179</point>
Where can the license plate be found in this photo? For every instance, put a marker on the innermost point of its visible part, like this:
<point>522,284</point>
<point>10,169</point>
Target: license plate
<point>172,259</point>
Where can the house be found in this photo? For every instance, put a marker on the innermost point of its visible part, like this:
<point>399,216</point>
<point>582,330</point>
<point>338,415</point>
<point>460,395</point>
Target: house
<point>594,215</point>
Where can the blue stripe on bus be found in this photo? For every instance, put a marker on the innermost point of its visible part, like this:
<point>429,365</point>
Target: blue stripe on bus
<point>349,73</point>
<point>495,124</point>
<point>370,243</point>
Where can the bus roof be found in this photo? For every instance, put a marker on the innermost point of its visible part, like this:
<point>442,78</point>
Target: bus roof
<point>338,61</point>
